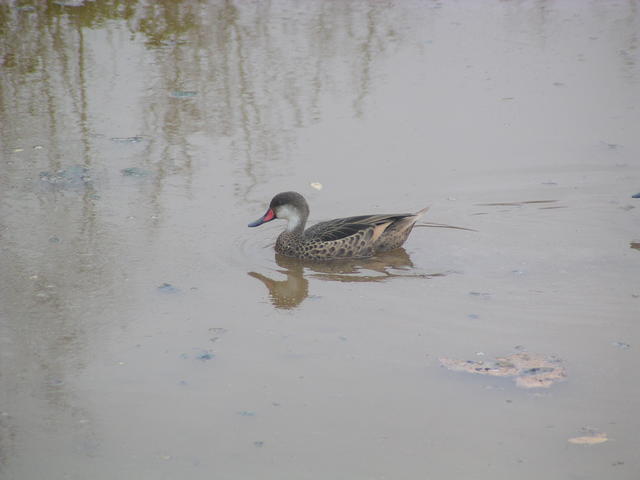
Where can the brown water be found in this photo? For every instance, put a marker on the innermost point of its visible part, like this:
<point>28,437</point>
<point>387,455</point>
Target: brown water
<point>147,333</point>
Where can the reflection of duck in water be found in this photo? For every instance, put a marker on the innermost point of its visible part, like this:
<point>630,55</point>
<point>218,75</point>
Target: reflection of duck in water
<point>291,292</point>
<point>287,293</point>
<point>383,266</point>
<point>352,237</point>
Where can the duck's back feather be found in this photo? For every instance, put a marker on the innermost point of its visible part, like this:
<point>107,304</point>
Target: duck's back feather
<point>340,228</point>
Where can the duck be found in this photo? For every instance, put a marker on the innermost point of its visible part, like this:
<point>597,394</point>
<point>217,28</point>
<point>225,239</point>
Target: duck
<point>351,237</point>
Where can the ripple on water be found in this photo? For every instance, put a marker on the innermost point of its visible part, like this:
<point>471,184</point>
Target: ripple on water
<point>253,250</point>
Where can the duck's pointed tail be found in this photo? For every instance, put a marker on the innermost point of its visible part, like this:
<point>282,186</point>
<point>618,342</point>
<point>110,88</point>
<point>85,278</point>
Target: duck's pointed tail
<point>410,220</point>
<point>420,213</point>
<point>397,232</point>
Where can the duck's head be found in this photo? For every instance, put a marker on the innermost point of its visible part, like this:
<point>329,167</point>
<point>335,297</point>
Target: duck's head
<point>290,206</point>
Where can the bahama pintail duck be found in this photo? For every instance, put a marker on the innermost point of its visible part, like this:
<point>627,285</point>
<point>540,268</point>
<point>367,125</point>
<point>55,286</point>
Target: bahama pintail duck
<point>360,236</point>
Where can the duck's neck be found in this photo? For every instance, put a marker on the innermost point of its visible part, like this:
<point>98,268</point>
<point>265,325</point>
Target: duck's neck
<point>296,225</point>
<point>296,220</point>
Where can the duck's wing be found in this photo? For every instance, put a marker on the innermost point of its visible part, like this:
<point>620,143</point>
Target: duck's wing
<point>345,227</point>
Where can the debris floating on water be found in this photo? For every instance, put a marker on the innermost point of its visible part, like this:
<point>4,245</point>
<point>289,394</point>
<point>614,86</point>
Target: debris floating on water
<point>611,146</point>
<point>593,439</point>
<point>126,140</point>
<point>168,288</point>
<point>483,295</point>
<point>183,94</point>
<point>74,177</point>
<point>70,3</point>
<point>217,333</point>
<point>316,185</point>
<point>246,413</point>
<point>530,370</point>
<point>134,172</point>
<point>204,356</point>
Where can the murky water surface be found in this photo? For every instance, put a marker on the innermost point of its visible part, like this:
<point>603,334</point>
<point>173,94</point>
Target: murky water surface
<point>147,333</point>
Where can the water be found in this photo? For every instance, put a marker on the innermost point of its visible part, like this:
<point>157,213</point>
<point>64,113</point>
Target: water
<point>146,332</point>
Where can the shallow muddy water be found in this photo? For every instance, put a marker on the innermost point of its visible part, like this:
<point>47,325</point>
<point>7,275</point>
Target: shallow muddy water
<point>147,333</point>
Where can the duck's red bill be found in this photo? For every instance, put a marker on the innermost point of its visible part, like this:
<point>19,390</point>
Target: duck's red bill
<point>267,217</point>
